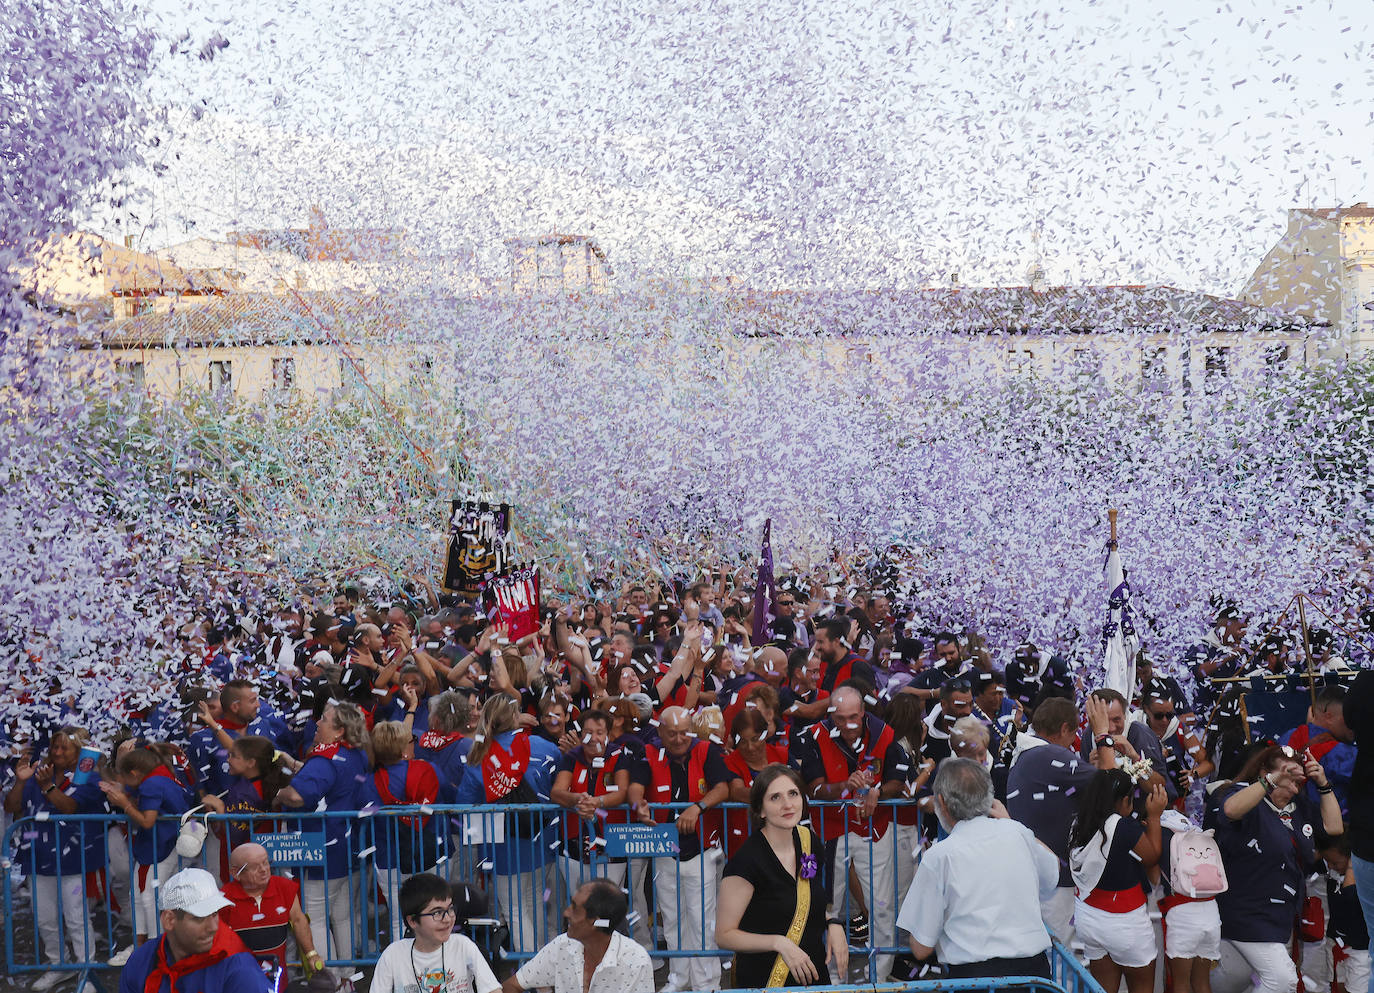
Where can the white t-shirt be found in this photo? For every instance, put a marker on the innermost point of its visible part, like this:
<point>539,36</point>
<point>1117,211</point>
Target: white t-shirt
<point>457,967</point>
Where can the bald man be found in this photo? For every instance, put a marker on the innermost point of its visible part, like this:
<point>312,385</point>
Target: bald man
<point>850,761</point>
<point>682,769</point>
<point>265,908</point>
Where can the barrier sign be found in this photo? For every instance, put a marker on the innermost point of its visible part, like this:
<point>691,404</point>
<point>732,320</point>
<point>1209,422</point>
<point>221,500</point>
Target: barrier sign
<point>640,839</point>
<point>300,848</point>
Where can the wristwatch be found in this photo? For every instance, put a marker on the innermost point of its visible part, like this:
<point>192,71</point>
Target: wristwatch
<point>1105,741</point>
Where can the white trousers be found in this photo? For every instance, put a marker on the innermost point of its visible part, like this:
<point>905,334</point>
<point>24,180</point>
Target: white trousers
<point>908,841</point>
<point>1057,913</point>
<point>878,882</point>
<point>685,892</point>
<point>519,898</point>
<point>334,923</point>
<point>146,919</point>
<point>67,894</point>
<point>1241,961</point>
<point>117,878</point>
<point>390,881</point>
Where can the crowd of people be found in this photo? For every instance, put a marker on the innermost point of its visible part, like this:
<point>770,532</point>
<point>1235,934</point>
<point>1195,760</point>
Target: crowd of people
<point>891,788</point>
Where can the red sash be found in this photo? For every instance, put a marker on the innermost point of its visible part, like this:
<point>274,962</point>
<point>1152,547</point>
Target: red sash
<point>1116,901</point>
<point>837,770</point>
<point>502,770</point>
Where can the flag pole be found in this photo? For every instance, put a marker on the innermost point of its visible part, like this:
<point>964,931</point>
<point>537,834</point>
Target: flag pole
<point>1111,519</point>
<point>1307,649</point>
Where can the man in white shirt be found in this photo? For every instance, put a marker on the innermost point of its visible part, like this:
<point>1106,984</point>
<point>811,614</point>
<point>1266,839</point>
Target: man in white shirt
<point>985,879</point>
<point>592,956</point>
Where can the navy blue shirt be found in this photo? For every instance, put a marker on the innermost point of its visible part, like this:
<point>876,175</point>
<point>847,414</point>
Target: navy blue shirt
<point>1266,863</point>
<point>1041,791</point>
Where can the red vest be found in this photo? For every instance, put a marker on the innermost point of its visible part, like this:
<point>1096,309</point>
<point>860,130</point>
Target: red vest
<point>842,672</point>
<point>837,770</point>
<point>662,791</point>
<point>593,782</point>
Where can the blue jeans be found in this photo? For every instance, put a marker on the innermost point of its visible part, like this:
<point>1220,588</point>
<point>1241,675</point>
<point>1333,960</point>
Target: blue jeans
<point>1364,886</point>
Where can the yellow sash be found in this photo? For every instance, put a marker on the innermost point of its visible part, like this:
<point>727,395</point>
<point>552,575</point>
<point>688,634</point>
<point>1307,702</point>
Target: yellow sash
<point>778,976</point>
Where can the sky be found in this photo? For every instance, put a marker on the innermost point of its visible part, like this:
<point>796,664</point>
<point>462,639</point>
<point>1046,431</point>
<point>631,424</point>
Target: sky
<point>787,143</point>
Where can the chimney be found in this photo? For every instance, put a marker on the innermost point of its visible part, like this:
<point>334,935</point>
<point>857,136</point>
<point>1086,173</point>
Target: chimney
<point>1037,278</point>
<point>129,241</point>
<point>954,280</point>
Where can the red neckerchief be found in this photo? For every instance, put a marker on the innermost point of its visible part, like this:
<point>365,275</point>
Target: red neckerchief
<point>327,751</point>
<point>437,740</point>
<point>229,724</point>
<point>162,772</point>
<point>227,943</point>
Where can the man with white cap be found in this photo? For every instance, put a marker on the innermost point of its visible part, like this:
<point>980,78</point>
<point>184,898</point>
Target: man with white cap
<point>195,951</point>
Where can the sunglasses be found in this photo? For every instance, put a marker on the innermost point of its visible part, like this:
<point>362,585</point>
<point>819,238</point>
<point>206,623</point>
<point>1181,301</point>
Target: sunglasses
<point>1163,714</point>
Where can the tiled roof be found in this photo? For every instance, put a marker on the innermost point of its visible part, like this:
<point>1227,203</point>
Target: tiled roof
<point>1021,309</point>
<point>258,318</point>
<point>303,318</point>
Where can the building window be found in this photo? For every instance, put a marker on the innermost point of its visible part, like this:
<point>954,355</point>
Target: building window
<point>350,373</point>
<point>221,377</point>
<point>1217,366</point>
<point>130,374</point>
<point>1084,363</point>
<point>1154,369</point>
<point>1275,360</point>
<point>1020,360</point>
<point>284,374</point>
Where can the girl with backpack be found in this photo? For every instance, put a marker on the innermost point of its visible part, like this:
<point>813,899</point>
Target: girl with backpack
<point>1109,854</point>
<point>1191,874</point>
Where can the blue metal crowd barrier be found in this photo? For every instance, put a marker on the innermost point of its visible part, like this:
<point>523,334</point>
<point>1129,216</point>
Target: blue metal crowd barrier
<point>527,858</point>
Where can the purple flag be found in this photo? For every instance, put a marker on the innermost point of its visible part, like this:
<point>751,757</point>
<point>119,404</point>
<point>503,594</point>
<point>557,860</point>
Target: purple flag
<point>765,590</point>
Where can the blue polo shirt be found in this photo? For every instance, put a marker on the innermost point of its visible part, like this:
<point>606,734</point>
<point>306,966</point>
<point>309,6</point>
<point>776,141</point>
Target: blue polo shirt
<point>339,782</point>
<point>168,798</point>
<point>57,848</point>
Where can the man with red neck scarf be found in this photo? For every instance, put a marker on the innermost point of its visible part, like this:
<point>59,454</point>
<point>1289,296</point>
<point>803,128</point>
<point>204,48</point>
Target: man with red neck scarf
<point>196,952</point>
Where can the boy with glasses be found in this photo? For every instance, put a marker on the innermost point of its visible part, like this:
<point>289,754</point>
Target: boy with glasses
<point>435,960</point>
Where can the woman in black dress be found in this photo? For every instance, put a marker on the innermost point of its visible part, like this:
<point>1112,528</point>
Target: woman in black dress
<point>771,909</point>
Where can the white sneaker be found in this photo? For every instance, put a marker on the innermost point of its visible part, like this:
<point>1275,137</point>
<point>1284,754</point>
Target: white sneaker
<point>50,979</point>
<point>121,957</point>
<point>673,984</point>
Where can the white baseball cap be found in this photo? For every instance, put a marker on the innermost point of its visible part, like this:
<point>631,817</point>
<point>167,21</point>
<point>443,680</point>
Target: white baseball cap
<point>193,891</point>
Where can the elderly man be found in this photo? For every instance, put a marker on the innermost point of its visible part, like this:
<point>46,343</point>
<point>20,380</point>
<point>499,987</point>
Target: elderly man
<point>196,951</point>
<point>593,956</point>
<point>686,770</point>
<point>265,908</point>
<point>852,760</point>
<point>979,890</point>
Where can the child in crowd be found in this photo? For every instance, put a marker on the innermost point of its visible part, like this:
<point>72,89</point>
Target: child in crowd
<point>435,960</point>
<point>150,791</point>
